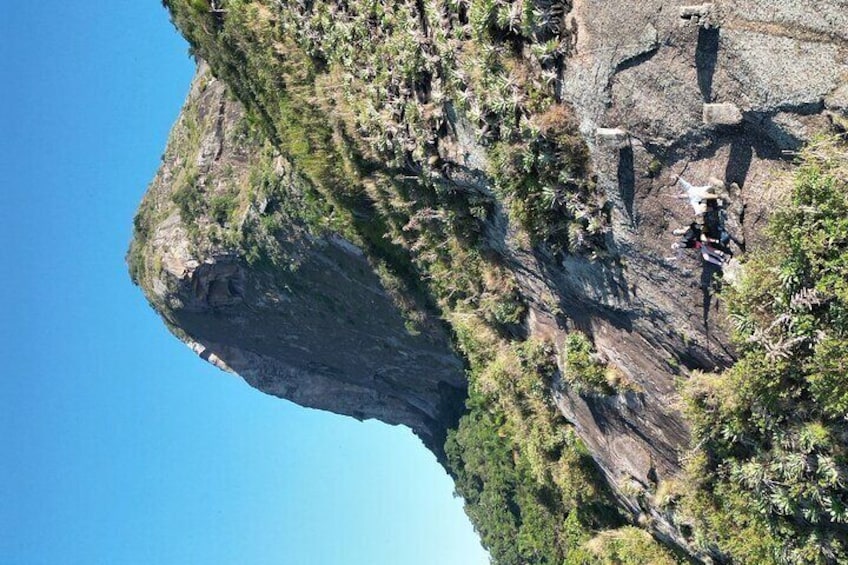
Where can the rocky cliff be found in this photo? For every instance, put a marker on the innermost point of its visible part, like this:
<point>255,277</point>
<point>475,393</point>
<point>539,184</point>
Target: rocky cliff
<point>411,173</point>
<point>305,317</point>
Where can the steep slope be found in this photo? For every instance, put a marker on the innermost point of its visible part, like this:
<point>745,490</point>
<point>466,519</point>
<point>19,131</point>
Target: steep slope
<point>506,167</point>
<point>243,264</point>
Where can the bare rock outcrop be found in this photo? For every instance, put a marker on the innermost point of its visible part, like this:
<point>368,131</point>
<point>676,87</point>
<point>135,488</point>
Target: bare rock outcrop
<point>720,100</point>
<point>327,334</point>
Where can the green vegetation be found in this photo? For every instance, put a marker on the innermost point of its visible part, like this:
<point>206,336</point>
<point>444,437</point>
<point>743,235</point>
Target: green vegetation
<point>625,546</point>
<point>286,211</point>
<point>189,199</point>
<point>135,254</point>
<point>363,98</point>
<point>187,196</point>
<point>582,369</point>
<point>530,486</point>
<point>541,177</point>
<point>654,168</point>
<point>254,205</point>
<point>222,207</point>
<point>771,462</point>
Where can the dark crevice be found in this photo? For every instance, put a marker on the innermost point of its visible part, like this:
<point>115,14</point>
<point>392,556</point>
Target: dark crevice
<point>802,108</point>
<point>637,60</point>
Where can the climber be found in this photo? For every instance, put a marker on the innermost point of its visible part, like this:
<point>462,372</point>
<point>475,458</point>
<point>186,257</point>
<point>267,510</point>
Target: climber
<point>694,237</point>
<point>714,231</point>
<point>711,238</point>
<point>711,253</point>
<point>691,237</point>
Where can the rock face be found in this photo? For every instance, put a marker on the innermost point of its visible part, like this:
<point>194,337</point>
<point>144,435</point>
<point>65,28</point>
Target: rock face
<point>723,96</point>
<point>327,334</point>
<point>777,62</point>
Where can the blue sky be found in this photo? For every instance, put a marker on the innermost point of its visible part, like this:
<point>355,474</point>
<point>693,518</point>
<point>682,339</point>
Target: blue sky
<point>117,444</point>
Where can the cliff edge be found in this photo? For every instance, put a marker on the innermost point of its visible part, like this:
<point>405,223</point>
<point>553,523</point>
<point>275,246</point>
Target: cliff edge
<point>225,253</point>
<point>411,195</point>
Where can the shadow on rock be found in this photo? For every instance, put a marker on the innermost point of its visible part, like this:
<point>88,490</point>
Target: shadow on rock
<point>706,56</point>
<point>627,181</point>
<point>710,279</point>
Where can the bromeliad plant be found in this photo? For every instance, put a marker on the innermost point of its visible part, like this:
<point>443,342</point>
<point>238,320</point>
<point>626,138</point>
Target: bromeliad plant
<point>771,461</point>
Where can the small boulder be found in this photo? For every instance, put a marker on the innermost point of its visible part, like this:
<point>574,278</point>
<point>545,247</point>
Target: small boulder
<point>614,138</point>
<point>724,114</point>
<point>701,15</point>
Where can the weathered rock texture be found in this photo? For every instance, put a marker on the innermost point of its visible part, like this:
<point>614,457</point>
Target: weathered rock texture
<point>325,334</point>
<point>778,62</point>
<point>330,336</point>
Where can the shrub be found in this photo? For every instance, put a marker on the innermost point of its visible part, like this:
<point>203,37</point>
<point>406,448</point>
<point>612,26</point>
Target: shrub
<point>581,367</point>
<point>626,546</point>
<point>531,489</point>
<point>222,207</point>
<point>189,199</point>
<point>543,178</point>
<point>773,471</point>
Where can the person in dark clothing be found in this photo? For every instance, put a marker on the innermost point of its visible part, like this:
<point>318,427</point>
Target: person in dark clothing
<point>691,237</point>
<point>694,237</point>
<point>714,232</point>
